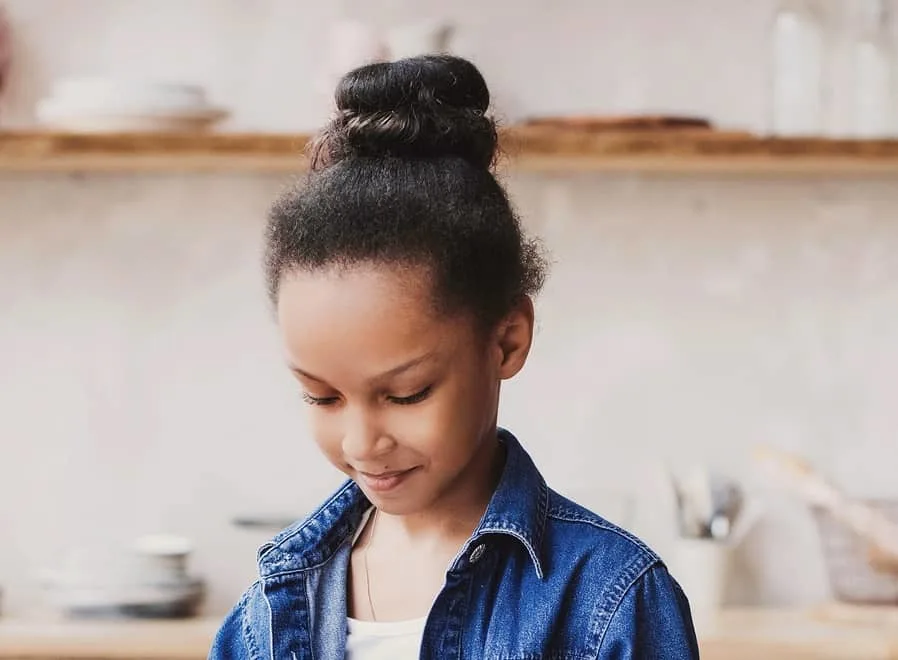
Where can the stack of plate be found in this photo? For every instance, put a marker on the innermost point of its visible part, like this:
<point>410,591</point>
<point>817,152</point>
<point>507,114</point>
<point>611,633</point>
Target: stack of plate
<point>150,581</point>
<point>109,105</point>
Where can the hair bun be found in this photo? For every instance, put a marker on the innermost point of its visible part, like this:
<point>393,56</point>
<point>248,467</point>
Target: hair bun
<point>421,107</point>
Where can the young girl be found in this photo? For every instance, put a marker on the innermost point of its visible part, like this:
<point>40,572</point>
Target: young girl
<point>403,286</point>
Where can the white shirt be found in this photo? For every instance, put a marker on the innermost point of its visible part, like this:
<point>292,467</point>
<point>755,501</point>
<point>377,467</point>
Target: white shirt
<point>383,640</point>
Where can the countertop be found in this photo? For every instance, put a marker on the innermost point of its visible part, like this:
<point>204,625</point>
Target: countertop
<point>830,632</point>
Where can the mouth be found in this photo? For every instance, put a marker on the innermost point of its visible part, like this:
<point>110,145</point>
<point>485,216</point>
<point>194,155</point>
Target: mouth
<point>383,482</point>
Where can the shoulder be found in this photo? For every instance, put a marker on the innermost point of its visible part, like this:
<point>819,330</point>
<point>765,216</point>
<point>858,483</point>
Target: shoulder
<point>631,593</point>
<point>238,636</point>
<point>608,560</point>
<point>575,532</point>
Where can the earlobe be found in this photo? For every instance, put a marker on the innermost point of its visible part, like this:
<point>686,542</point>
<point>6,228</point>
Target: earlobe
<point>515,336</point>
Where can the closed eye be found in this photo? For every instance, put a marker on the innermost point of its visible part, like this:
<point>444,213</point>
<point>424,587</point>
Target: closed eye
<point>319,401</point>
<point>410,400</point>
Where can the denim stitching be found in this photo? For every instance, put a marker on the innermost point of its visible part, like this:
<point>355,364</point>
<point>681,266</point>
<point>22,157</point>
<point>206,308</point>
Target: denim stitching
<point>307,587</point>
<point>270,621</point>
<point>310,520</point>
<point>567,515</point>
<point>614,596</point>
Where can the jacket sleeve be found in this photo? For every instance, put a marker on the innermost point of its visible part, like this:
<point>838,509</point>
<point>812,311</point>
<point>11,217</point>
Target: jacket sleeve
<point>233,640</point>
<point>652,622</point>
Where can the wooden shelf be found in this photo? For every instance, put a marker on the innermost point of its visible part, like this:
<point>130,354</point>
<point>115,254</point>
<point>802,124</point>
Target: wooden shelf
<point>525,148</point>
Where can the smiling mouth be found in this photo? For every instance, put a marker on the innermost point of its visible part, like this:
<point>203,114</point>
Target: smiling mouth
<point>385,481</point>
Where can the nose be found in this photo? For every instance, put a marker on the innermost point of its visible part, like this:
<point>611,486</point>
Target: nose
<point>364,440</point>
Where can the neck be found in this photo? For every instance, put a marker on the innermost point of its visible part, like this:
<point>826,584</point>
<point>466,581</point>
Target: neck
<point>456,514</point>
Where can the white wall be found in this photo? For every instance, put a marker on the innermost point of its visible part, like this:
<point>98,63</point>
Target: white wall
<point>265,58</point>
<point>141,387</point>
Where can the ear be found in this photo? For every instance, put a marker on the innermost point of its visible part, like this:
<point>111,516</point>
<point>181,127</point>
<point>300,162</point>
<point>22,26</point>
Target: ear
<point>513,338</point>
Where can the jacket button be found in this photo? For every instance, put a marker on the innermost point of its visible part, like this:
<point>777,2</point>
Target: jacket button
<point>477,553</point>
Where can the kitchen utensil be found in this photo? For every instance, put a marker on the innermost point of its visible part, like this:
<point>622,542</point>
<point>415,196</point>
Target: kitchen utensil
<point>708,504</point>
<point>694,501</point>
<point>726,503</point>
<point>865,520</point>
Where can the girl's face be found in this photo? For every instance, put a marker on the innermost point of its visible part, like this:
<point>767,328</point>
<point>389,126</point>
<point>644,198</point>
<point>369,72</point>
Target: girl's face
<point>401,399</point>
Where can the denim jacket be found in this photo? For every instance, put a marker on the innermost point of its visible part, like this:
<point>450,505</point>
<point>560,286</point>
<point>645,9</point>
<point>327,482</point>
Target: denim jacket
<point>541,578</point>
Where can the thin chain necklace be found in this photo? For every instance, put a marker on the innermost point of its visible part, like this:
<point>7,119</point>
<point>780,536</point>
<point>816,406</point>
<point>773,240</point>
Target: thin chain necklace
<point>365,558</point>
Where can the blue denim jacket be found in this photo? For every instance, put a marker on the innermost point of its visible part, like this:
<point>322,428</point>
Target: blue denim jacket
<point>541,578</point>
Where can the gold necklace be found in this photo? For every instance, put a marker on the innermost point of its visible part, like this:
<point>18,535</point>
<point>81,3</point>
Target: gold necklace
<point>365,559</point>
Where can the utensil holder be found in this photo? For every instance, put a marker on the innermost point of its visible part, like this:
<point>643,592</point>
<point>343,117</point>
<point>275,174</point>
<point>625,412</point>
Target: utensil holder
<point>702,567</point>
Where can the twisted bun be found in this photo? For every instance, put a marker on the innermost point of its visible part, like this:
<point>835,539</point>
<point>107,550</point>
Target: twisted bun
<point>431,106</point>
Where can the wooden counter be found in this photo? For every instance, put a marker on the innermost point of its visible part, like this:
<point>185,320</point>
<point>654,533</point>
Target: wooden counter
<point>125,640</point>
<point>827,633</point>
<point>831,632</point>
<point>525,147</point>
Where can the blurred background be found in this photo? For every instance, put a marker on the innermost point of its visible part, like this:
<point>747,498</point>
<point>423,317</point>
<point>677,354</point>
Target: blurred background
<point>715,180</point>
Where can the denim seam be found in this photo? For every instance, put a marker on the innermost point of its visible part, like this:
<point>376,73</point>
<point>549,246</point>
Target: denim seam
<point>566,516</point>
<point>541,656</point>
<point>306,588</point>
<point>467,604</point>
<point>304,569</point>
<point>246,631</point>
<point>615,595</point>
<point>310,519</point>
<point>270,621</point>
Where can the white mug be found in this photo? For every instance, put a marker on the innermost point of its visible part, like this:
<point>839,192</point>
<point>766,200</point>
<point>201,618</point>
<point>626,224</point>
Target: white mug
<point>702,568</point>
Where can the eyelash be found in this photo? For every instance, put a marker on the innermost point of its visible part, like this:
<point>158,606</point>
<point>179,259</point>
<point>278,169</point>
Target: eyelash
<point>418,397</point>
<point>399,401</point>
<point>316,401</point>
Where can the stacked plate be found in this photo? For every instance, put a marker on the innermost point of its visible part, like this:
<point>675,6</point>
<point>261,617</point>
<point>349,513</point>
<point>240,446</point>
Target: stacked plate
<point>110,105</point>
<point>149,581</point>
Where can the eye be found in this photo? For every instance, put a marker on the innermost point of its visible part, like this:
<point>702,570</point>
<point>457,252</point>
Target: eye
<point>409,400</point>
<point>318,401</point>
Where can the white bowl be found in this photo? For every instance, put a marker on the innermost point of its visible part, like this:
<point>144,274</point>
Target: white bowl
<point>85,121</point>
<point>110,94</point>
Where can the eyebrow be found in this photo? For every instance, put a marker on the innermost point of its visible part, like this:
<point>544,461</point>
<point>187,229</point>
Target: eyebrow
<point>390,373</point>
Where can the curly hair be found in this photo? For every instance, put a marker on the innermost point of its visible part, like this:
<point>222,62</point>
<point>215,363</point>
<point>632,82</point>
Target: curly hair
<point>403,175</point>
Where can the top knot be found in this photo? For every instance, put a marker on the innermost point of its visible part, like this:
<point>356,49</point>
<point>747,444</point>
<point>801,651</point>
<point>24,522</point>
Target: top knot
<point>430,106</point>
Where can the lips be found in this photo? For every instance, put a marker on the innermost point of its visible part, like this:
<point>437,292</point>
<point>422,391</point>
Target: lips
<point>383,482</point>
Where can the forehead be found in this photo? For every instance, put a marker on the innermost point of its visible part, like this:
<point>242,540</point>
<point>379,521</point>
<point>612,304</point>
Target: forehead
<point>366,318</point>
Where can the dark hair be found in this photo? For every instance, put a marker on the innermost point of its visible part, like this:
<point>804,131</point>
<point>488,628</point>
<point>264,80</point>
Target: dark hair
<point>403,175</point>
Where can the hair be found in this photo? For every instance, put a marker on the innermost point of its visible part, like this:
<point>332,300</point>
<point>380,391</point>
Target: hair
<point>403,176</point>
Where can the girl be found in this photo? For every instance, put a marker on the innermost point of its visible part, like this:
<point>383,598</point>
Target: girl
<point>403,283</point>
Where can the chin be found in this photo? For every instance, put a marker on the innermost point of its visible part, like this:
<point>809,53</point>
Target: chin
<point>398,503</point>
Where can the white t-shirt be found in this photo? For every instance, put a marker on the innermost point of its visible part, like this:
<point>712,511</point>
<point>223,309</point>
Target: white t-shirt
<point>383,640</point>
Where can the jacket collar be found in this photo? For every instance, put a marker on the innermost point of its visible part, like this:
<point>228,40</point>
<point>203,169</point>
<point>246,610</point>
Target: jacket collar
<point>517,509</point>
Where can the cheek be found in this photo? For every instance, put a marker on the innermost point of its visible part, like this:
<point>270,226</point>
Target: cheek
<point>453,427</point>
<point>325,429</point>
